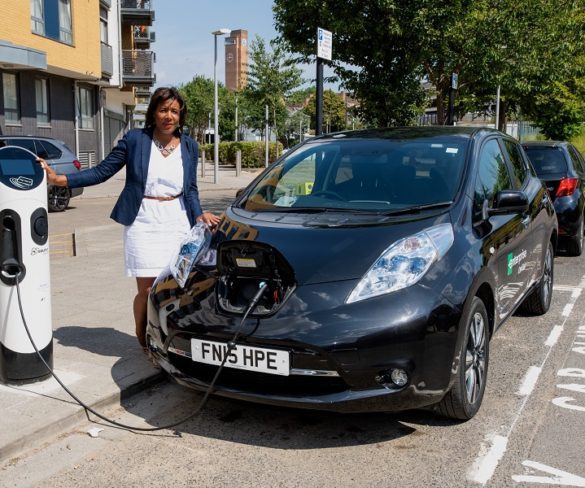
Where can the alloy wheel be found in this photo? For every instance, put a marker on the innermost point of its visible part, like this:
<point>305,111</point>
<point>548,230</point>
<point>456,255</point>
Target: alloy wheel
<point>475,358</point>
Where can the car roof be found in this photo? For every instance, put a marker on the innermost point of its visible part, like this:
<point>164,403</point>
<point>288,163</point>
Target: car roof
<point>408,133</point>
<point>14,136</point>
<point>546,143</point>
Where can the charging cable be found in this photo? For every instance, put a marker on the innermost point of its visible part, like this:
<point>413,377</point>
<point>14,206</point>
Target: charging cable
<point>231,345</point>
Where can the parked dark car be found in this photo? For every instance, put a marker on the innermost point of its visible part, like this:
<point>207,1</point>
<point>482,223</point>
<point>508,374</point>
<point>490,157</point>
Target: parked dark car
<point>562,168</point>
<point>59,157</point>
<point>387,259</point>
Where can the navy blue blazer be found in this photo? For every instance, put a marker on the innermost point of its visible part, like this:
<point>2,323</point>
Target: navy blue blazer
<point>133,151</point>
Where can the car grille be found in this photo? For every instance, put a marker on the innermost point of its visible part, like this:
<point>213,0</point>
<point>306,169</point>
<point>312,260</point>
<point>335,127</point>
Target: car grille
<point>259,383</point>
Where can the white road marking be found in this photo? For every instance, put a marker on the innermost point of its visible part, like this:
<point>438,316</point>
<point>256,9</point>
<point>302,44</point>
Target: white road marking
<point>484,466</point>
<point>567,310</point>
<point>559,477</point>
<point>530,380</point>
<point>486,463</point>
<point>554,335</point>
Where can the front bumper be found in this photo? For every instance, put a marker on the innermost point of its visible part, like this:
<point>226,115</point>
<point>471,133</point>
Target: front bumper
<point>337,351</point>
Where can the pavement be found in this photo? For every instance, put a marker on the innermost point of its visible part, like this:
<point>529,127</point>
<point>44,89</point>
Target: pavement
<point>96,353</point>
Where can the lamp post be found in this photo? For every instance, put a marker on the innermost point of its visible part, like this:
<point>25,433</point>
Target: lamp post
<point>216,33</point>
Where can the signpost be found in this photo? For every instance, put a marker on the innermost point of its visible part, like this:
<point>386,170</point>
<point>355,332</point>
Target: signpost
<point>452,89</point>
<point>324,51</point>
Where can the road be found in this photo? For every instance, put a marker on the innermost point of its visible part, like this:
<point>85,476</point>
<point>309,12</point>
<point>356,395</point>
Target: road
<point>530,430</point>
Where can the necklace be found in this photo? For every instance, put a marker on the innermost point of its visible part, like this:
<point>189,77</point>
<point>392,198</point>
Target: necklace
<point>165,151</point>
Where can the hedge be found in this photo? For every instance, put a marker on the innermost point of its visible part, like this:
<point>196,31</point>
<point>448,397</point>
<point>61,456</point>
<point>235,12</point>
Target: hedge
<point>253,152</point>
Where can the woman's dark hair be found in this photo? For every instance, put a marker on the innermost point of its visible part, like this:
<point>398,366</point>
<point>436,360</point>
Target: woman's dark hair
<point>161,95</point>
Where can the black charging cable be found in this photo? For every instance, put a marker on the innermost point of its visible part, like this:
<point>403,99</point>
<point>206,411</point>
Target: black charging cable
<point>231,345</point>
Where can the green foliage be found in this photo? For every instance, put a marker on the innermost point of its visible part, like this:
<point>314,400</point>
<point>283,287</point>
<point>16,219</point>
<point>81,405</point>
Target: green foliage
<point>198,96</point>
<point>334,111</point>
<point>559,113</point>
<point>579,140</point>
<point>253,152</point>
<point>272,76</point>
<point>383,49</point>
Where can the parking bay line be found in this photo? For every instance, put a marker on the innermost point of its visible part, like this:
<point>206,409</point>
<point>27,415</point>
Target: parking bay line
<point>487,461</point>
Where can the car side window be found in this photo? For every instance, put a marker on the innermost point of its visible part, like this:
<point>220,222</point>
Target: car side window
<point>518,165</point>
<point>48,150</point>
<point>577,162</point>
<point>492,177</point>
<point>26,143</point>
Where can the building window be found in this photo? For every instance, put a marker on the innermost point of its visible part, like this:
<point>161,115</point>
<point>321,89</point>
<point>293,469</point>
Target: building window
<point>86,108</point>
<point>52,18</point>
<point>65,27</point>
<point>42,101</point>
<point>37,18</point>
<point>103,24</point>
<point>11,98</point>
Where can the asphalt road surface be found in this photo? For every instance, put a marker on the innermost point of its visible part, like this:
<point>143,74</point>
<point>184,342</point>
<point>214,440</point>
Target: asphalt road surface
<point>530,430</point>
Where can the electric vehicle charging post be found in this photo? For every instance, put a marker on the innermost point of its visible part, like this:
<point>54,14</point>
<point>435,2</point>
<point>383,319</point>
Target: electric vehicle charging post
<point>24,260</point>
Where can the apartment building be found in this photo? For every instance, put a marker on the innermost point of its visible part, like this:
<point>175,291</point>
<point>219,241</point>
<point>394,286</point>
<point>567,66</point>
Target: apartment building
<point>63,70</point>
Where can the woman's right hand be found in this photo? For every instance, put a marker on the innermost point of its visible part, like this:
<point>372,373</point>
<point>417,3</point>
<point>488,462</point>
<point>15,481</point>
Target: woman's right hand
<point>52,177</point>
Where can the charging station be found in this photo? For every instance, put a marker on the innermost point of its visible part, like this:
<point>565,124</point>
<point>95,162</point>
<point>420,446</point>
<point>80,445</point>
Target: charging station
<point>24,260</point>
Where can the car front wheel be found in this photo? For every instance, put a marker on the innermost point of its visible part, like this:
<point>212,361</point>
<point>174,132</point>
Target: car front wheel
<point>59,197</point>
<point>538,302</point>
<point>462,402</point>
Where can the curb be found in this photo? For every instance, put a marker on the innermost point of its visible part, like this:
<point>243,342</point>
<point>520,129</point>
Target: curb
<point>44,434</point>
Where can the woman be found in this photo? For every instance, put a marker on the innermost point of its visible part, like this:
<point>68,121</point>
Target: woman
<point>159,202</point>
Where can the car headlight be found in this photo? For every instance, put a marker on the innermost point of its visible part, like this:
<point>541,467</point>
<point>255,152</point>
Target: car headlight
<point>404,262</point>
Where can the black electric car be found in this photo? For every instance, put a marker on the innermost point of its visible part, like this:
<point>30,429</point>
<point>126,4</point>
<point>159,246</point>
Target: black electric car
<point>562,168</point>
<point>382,261</point>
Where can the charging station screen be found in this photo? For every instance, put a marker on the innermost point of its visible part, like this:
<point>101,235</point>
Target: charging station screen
<point>14,167</point>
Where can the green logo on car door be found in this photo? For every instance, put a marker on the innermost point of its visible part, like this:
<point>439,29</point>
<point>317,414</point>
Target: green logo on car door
<point>514,260</point>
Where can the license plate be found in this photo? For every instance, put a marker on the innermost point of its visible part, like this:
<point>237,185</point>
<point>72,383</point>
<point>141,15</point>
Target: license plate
<point>271,361</point>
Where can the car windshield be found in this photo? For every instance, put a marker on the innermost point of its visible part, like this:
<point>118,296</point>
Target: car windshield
<point>362,175</point>
<point>547,160</point>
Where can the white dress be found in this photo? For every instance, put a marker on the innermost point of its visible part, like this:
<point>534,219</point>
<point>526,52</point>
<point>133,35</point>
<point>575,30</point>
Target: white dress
<point>160,225</point>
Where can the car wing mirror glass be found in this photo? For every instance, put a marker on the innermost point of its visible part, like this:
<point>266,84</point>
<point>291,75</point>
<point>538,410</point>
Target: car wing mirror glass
<point>509,201</point>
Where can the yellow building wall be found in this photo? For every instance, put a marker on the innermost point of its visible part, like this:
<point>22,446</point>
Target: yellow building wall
<point>82,58</point>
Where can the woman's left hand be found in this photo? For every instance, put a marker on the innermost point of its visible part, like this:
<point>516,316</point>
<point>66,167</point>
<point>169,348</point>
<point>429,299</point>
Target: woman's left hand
<point>208,218</point>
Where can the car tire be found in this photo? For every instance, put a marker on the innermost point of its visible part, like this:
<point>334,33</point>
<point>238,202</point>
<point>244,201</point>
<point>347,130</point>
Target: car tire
<point>538,302</point>
<point>58,198</point>
<point>575,244</point>
<point>462,402</point>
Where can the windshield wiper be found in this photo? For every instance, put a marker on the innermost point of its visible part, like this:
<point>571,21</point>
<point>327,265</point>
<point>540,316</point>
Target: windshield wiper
<point>418,208</point>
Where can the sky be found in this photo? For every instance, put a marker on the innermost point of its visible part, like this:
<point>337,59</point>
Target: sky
<point>184,43</point>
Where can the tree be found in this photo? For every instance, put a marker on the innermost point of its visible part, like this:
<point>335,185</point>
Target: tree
<point>198,96</point>
<point>384,49</point>
<point>334,111</point>
<point>272,76</point>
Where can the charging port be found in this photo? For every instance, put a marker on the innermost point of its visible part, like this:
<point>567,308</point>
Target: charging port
<point>243,266</point>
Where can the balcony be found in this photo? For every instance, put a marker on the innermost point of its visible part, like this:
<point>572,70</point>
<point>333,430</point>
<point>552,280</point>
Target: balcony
<point>143,36</point>
<point>138,12</point>
<point>138,67</point>
<point>107,60</point>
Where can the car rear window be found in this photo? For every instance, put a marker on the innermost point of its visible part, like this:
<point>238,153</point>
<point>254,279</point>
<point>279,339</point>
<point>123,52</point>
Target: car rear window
<point>547,160</point>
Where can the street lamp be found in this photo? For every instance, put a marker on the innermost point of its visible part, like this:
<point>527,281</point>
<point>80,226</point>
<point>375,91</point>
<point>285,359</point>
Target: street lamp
<point>216,33</point>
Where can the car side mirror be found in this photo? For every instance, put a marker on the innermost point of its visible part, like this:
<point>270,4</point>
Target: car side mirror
<point>508,202</point>
<point>239,192</point>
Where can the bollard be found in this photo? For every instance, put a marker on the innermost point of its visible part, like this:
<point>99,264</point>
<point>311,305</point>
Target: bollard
<point>238,162</point>
<point>203,163</point>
